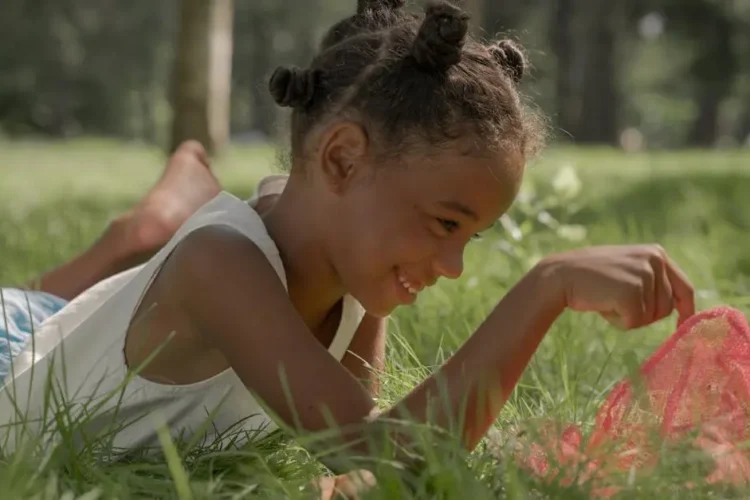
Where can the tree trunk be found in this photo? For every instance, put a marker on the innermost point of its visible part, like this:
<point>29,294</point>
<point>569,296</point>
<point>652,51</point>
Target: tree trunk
<point>202,74</point>
<point>264,109</point>
<point>743,130</point>
<point>705,129</point>
<point>599,93</point>
<point>562,41</point>
<point>476,9</point>
<point>503,17</point>
<point>714,71</point>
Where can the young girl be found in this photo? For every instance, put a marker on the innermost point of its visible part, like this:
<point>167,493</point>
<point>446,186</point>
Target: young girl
<point>408,138</point>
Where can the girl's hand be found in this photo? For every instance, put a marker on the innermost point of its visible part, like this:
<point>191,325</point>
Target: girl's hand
<point>630,286</point>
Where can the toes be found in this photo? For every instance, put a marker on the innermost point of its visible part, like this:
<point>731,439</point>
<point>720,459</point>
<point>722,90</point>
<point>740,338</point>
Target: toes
<point>353,484</point>
<point>346,486</point>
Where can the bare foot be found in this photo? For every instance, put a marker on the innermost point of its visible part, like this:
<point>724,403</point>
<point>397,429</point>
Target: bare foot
<point>186,184</point>
<point>346,486</point>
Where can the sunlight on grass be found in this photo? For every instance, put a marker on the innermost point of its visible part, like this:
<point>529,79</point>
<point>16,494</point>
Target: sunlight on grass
<point>56,198</point>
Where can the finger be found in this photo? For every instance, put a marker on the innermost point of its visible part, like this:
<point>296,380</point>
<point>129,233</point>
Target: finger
<point>630,313</point>
<point>353,484</point>
<point>683,292</point>
<point>326,485</point>
<point>649,291</point>
<point>663,293</point>
<point>615,320</point>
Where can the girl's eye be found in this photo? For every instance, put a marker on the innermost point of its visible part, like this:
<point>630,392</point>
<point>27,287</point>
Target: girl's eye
<point>448,225</point>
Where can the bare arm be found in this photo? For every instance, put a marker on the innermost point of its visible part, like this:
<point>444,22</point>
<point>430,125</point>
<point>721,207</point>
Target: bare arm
<point>271,338</point>
<point>262,340</point>
<point>365,358</point>
<point>240,305</point>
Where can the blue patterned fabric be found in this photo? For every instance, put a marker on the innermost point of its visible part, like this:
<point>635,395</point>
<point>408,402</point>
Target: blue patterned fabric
<point>21,313</point>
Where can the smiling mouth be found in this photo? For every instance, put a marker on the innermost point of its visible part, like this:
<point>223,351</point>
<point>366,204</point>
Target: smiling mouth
<point>412,287</point>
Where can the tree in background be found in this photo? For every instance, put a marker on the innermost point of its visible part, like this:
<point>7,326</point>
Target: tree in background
<point>161,72</point>
<point>600,93</point>
<point>567,100</point>
<point>585,36</point>
<point>201,79</point>
<point>707,28</point>
<point>476,9</point>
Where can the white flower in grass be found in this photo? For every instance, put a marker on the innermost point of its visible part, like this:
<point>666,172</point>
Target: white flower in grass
<point>566,182</point>
<point>572,232</point>
<point>510,226</point>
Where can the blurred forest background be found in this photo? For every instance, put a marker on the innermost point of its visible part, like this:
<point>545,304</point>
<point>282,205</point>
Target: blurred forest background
<point>635,74</point>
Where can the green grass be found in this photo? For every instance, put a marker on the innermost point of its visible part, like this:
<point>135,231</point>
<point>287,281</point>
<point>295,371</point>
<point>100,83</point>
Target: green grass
<point>56,198</point>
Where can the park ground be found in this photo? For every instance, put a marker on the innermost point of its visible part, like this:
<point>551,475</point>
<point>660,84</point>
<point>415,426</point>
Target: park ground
<point>55,198</point>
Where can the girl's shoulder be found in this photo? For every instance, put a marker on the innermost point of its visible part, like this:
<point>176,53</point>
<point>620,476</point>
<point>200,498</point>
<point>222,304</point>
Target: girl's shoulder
<point>217,227</point>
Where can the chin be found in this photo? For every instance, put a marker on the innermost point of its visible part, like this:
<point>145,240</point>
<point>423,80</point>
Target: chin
<point>376,305</point>
<point>378,297</point>
<point>377,309</point>
<point>379,313</point>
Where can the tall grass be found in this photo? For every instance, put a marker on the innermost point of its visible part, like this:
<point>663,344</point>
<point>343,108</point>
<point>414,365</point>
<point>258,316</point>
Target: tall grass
<point>56,198</point>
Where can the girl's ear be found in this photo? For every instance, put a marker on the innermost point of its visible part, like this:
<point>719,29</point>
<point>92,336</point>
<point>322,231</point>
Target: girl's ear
<point>343,149</point>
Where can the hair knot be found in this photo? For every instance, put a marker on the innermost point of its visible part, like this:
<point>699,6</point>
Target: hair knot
<point>440,39</point>
<point>293,87</point>
<point>510,58</point>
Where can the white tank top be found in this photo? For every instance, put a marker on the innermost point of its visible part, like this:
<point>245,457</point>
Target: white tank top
<point>81,347</point>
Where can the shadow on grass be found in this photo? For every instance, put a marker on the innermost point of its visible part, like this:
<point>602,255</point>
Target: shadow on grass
<point>670,204</point>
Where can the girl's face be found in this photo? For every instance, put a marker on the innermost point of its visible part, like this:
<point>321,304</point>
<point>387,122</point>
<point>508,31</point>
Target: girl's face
<point>405,226</point>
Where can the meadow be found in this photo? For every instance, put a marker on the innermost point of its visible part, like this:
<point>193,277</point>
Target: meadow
<point>55,198</point>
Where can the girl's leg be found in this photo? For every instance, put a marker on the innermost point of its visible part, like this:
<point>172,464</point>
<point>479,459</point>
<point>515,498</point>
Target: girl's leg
<point>186,184</point>
<point>21,312</point>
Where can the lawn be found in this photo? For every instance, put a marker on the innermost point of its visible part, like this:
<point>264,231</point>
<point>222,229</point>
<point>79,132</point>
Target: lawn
<point>56,198</point>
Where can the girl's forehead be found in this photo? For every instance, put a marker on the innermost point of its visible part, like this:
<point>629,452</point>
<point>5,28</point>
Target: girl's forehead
<point>455,172</point>
<point>482,184</point>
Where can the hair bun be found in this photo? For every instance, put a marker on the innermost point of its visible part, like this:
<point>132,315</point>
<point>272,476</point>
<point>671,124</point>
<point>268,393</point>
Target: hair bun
<point>441,37</point>
<point>293,87</point>
<point>510,57</point>
<point>363,5</point>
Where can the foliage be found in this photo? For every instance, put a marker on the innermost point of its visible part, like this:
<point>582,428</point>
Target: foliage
<point>71,67</point>
<point>670,198</point>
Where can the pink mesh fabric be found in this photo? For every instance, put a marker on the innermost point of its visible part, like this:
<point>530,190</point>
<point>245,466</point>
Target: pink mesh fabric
<point>696,386</point>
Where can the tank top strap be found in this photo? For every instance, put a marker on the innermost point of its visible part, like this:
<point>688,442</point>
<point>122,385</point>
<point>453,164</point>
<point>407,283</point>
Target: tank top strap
<point>227,210</point>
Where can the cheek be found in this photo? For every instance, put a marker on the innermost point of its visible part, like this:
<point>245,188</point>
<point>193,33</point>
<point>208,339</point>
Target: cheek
<point>404,238</point>
<point>360,230</point>
<point>413,245</point>
<point>381,229</point>
<point>375,239</point>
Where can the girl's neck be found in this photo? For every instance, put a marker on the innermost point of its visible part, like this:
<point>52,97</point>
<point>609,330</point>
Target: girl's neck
<point>314,287</point>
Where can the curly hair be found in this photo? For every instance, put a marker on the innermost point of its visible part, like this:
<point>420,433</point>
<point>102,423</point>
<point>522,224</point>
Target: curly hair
<point>410,77</point>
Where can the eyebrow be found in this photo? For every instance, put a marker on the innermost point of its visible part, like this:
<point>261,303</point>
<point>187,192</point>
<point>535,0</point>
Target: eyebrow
<point>460,207</point>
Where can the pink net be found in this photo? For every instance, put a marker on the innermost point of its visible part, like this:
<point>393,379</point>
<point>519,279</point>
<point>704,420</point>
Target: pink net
<point>696,386</point>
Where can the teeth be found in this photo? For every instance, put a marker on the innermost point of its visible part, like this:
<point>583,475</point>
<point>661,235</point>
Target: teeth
<point>411,289</point>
